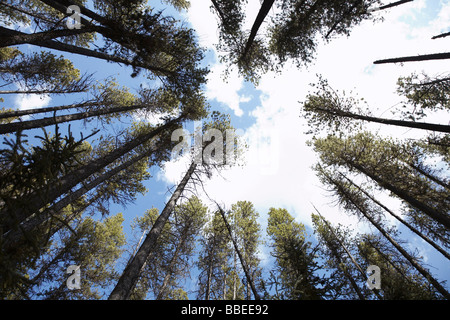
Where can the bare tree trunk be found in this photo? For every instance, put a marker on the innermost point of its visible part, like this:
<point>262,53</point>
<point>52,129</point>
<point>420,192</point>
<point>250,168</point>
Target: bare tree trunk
<point>19,113</point>
<point>425,57</point>
<point>243,264</point>
<point>39,123</point>
<point>131,274</point>
<point>432,213</point>
<point>400,123</point>
<point>263,12</point>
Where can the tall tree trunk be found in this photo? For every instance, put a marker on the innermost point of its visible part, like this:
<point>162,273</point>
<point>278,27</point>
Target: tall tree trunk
<point>390,5</point>
<point>241,259</point>
<point>432,213</point>
<point>172,263</point>
<point>52,191</point>
<point>425,57</point>
<point>442,35</point>
<point>208,281</point>
<point>404,253</point>
<point>39,123</point>
<point>19,113</point>
<point>401,123</point>
<point>131,274</point>
<point>347,275</point>
<point>409,226</point>
<point>86,52</point>
<point>44,91</point>
<point>263,12</point>
<point>23,38</point>
<point>429,176</point>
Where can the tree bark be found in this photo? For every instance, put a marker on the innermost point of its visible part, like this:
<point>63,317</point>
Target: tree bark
<point>442,35</point>
<point>400,123</point>
<point>241,259</point>
<point>19,113</point>
<point>87,52</point>
<point>425,57</point>
<point>390,5</point>
<point>263,12</point>
<point>39,123</point>
<point>23,38</point>
<point>131,274</point>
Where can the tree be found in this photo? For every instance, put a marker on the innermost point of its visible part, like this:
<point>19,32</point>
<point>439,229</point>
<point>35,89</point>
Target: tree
<point>326,106</point>
<point>291,34</point>
<point>400,281</point>
<point>216,279</point>
<point>353,202</point>
<point>189,218</point>
<point>295,264</point>
<point>40,72</point>
<point>336,241</point>
<point>94,246</point>
<point>246,260</point>
<point>378,159</point>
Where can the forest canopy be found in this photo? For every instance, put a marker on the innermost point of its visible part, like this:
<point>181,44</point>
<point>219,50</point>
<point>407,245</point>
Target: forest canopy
<point>110,90</point>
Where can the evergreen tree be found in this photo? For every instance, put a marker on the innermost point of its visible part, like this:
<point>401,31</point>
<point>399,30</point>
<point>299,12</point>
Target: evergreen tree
<point>295,263</point>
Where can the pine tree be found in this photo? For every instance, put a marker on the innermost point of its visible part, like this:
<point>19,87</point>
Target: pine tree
<point>295,264</point>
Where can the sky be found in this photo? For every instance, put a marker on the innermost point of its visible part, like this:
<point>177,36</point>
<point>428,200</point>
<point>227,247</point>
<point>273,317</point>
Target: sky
<point>278,171</point>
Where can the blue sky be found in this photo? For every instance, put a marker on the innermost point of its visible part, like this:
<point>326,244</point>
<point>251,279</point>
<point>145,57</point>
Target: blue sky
<point>278,171</point>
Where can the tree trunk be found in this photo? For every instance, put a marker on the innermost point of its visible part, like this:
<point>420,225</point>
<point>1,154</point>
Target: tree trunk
<point>405,254</point>
<point>131,274</point>
<point>39,123</point>
<point>401,123</point>
<point>347,275</point>
<point>19,113</point>
<point>425,57</point>
<point>442,35</point>
<point>23,38</point>
<point>172,263</point>
<point>87,52</point>
<point>263,12</point>
<point>409,226</point>
<point>429,176</point>
<point>390,5</point>
<point>432,213</point>
<point>52,191</point>
<point>241,259</point>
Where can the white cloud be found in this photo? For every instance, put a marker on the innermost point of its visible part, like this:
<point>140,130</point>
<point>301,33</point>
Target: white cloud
<point>226,92</point>
<point>32,101</point>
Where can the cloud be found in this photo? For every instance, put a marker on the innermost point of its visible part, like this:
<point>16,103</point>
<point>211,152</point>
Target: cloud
<point>226,92</point>
<point>32,101</point>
